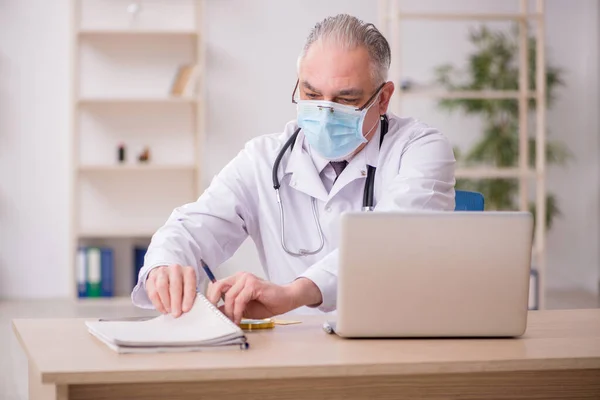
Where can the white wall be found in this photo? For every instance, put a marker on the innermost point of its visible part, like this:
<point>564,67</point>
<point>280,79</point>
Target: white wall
<point>252,50</point>
<point>34,148</point>
<point>573,243</point>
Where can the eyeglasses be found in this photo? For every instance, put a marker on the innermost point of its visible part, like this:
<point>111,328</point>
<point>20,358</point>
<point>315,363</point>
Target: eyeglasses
<point>357,109</point>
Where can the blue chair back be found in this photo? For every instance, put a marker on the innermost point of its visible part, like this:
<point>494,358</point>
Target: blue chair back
<point>468,201</point>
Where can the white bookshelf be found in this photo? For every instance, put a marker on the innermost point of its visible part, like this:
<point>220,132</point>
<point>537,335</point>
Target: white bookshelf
<point>466,16</point>
<point>136,168</point>
<point>392,16</point>
<point>462,94</point>
<point>133,32</point>
<point>90,101</point>
<point>125,56</point>
<point>493,173</point>
<point>115,234</point>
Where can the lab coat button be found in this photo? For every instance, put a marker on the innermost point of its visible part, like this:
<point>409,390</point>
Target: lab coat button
<point>293,184</point>
<point>363,172</point>
<point>328,209</point>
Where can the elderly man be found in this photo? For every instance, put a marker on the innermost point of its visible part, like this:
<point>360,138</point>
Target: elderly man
<point>343,138</point>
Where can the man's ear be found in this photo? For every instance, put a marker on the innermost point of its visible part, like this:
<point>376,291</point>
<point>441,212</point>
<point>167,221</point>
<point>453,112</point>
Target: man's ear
<point>386,95</point>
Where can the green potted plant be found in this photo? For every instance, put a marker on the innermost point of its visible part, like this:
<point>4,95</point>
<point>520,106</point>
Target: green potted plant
<point>494,66</point>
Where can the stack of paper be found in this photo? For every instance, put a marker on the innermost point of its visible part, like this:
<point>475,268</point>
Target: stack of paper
<point>203,327</point>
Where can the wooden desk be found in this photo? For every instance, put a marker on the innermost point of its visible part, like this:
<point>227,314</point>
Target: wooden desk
<point>559,357</point>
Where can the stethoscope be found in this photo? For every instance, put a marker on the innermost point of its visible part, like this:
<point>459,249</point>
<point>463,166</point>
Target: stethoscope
<point>367,204</point>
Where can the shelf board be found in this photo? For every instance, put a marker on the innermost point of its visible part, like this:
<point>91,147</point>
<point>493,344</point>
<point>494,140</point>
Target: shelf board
<point>116,233</point>
<point>462,94</point>
<point>136,32</point>
<point>136,167</point>
<point>467,16</point>
<point>487,173</point>
<point>137,100</point>
<point>104,300</point>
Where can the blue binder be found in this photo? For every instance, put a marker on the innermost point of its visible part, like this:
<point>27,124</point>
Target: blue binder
<point>107,271</point>
<point>138,256</point>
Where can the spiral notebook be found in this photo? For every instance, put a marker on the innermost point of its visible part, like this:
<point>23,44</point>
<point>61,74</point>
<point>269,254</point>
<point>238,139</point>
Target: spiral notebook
<point>204,327</point>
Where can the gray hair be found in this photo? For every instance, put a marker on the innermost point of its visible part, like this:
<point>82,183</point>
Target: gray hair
<point>350,32</point>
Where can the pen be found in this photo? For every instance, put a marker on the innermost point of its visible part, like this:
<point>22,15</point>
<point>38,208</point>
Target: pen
<point>210,275</point>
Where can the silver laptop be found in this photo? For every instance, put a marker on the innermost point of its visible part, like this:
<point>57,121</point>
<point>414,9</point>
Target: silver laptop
<point>434,274</point>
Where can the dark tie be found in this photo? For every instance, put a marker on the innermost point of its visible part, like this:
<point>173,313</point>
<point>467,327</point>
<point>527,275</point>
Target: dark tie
<point>338,167</point>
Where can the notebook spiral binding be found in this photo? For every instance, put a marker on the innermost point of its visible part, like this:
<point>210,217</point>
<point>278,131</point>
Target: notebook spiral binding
<point>245,344</point>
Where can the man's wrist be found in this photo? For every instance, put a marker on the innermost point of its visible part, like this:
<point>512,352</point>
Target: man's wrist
<point>304,292</point>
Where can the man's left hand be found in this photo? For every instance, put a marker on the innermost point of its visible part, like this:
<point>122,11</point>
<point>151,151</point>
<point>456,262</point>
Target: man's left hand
<point>247,296</point>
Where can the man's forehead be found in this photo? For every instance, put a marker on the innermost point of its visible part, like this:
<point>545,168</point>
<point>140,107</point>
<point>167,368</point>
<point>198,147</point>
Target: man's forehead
<point>328,67</point>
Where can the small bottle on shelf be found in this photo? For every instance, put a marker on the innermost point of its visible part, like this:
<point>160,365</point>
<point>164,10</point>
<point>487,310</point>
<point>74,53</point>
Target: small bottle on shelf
<point>121,153</point>
<point>144,156</point>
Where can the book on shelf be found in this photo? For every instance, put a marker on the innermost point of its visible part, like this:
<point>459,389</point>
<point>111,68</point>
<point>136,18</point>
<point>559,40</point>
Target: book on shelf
<point>81,272</point>
<point>107,263</point>
<point>139,252</point>
<point>95,272</point>
<point>186,81</point>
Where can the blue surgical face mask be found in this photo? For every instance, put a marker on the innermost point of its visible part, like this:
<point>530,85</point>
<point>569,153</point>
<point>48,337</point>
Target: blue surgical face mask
<point>332,129</point>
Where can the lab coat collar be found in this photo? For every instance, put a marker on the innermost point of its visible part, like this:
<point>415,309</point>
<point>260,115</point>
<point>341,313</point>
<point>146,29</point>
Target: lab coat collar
<point>371,150</point>
<point>305,173</point>
<point>306,170</point>
<point>357,167</point>
<point>320,162</point>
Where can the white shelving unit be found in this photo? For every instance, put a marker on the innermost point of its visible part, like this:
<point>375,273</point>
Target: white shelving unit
<point>144,168</point>
<point>391,16</point>
<point>459,94</point>
<point>125,56</point>
<point>135,101</point>
<point>134,32</point>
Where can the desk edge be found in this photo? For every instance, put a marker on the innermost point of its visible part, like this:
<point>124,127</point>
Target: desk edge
<point>325,371</point>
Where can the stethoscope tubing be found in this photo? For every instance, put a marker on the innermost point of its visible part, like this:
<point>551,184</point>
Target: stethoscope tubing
<point>368,192</point>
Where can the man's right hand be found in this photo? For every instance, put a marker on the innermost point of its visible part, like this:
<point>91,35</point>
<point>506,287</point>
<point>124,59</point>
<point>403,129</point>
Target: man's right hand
<point>172,289</point>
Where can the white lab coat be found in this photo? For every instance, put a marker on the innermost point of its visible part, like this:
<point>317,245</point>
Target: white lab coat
<point>415,171</point>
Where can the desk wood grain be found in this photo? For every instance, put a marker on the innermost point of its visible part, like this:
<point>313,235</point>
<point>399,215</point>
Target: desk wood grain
<point>549,385</point>
<point>560,349</point>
